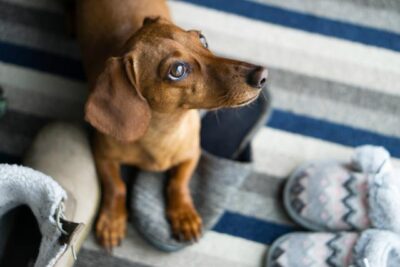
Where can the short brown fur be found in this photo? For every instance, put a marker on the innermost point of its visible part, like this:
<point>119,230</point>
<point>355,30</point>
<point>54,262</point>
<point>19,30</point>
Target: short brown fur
<point>142,118</point>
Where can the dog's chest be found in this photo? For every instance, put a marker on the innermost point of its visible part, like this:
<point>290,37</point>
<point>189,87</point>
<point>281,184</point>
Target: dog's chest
<point>159,149</point>
<point>161,152</point>
<point>157,156</point>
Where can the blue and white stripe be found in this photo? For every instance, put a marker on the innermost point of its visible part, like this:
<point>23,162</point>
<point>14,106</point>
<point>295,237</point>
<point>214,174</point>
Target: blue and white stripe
<point>335,70</point>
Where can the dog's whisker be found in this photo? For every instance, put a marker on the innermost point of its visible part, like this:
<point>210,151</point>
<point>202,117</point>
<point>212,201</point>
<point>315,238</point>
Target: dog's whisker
<point>263,94</point>
<point>217,118</point>
<point>252,105</point>
<point>237,113</point>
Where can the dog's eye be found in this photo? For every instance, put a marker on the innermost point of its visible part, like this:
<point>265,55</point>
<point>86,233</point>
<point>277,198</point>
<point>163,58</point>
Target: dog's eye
<point>203,40</point>
<point>178,71</point>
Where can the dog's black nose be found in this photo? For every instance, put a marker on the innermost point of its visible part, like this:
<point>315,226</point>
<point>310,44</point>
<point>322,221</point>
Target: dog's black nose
<point>257,78</point>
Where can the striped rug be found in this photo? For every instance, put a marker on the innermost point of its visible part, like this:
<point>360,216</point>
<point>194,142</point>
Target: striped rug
<point>335,78</point>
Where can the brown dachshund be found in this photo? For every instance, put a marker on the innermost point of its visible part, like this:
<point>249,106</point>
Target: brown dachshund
<point>147,77</point>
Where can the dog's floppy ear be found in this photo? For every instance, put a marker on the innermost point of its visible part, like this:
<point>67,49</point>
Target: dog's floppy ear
<point>115,105</point>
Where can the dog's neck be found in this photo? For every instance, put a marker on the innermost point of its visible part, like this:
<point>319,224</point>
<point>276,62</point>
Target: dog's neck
<point>169,131</point>
<point>169,122</point>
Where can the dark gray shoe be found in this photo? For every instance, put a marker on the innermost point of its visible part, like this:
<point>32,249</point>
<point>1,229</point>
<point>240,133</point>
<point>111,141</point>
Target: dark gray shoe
<point>224,165</point>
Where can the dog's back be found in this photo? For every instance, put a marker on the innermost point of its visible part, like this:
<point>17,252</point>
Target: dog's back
<point>103,26</point>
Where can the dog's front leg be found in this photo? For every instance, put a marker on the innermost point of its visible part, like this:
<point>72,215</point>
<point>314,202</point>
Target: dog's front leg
<point>111,223</point>
<point>185,221</point>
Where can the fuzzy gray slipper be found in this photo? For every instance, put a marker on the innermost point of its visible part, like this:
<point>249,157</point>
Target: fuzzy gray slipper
<point>213,182</point>
<point>331,196</point>
<point>62,151</point>
<point>45,216</point>
<point>371,248</point>
<point>224,165</point>
<point>24,186</point>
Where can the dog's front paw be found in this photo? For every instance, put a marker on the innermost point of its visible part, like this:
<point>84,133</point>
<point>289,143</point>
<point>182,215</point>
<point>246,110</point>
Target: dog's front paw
<point>185,222</point>
<point>111,228</point>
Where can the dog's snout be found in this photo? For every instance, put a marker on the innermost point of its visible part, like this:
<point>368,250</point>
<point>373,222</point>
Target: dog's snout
<point>257,78</point>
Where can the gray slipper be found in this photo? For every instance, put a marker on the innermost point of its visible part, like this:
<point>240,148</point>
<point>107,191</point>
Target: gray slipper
<point>46,213</point>
<point>224,165</point>
<point>331,196</point>
<point>45,198</point>
<point>62,151</point>
<point>371,248</point>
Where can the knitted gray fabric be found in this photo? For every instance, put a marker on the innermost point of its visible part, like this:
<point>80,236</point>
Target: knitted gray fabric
<point>312,249</point>
<point>330,196</point>
<point>214,181</point>
<point>370,248</point>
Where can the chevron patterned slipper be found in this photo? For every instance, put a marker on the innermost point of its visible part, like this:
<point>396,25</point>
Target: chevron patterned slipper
<point>344,249</point>
<point>312,249</point>
<point>330,196</point>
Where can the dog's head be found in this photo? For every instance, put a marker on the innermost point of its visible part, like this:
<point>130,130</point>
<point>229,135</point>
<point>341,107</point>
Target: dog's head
<point>163,68</point>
